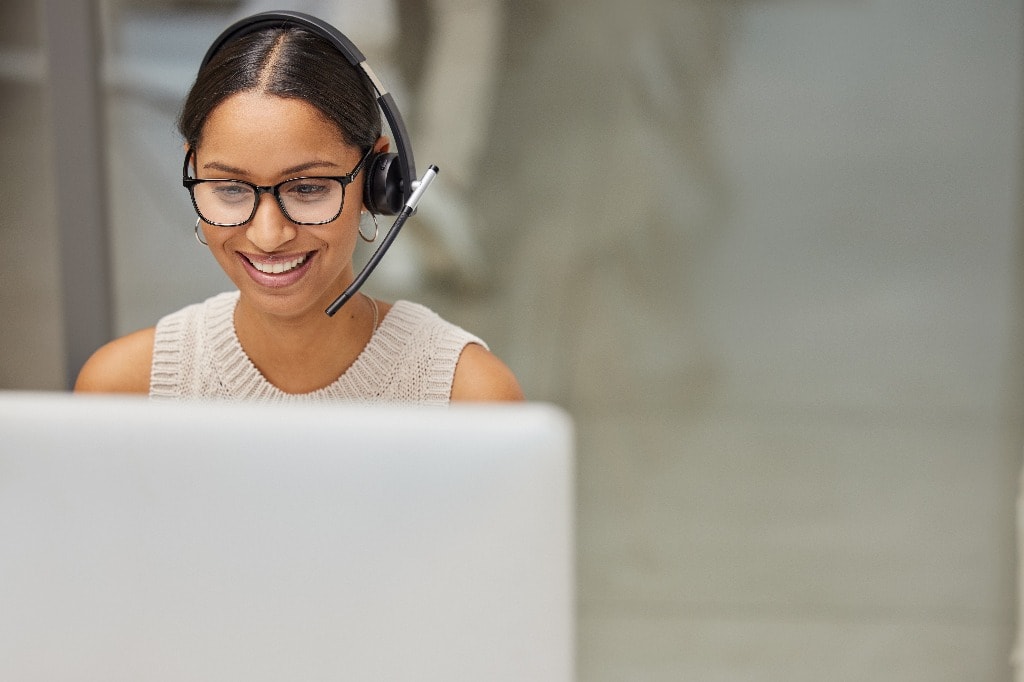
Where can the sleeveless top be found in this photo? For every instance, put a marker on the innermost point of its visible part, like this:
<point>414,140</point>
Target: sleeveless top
<point>410,358</point>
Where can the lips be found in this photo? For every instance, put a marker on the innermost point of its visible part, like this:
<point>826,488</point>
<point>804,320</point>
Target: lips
<point>276,271</point>
<point>276,267</point>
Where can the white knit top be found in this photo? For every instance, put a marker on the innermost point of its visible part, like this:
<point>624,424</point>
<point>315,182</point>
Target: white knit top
<point>410,358</point>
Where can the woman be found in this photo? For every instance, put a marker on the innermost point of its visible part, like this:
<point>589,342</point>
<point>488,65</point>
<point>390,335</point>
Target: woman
<point>270,107</point>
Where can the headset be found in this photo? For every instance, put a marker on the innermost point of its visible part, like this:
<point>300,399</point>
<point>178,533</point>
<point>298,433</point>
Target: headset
<point>390,187</point>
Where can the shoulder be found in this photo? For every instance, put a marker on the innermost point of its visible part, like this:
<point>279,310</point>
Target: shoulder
<point>481,376</point>
<point>121,366</point>
<point>476,373</point>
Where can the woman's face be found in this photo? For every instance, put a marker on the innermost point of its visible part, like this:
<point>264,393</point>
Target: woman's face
<point>281,268</point>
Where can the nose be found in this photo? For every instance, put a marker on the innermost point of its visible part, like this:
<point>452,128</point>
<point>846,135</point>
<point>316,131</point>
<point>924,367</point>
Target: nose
<point>269,228</point>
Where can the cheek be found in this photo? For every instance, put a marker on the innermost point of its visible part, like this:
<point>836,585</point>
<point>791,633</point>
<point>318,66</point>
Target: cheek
<point>217,237</point>
<point>222,246</point>
<point>224,255</point>
<point>343,234</point>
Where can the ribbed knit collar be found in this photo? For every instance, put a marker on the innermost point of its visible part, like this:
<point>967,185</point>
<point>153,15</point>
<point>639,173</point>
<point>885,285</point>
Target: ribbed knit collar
<point>371,370</point>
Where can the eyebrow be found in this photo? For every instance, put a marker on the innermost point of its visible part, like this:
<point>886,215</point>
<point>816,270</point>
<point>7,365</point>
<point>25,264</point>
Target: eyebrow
<point>294,170</point>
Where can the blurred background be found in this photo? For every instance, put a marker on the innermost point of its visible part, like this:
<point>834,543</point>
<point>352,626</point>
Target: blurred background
<point>767,254</point>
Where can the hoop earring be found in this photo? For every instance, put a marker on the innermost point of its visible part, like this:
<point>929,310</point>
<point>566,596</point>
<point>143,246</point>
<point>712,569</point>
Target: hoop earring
<point>198,238</point>
<point>376,229</point>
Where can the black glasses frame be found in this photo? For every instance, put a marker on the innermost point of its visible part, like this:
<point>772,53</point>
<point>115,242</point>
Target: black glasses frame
<point>189,183</point>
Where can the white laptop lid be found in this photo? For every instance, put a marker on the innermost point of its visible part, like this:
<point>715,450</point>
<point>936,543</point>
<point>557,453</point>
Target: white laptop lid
<point>191,541</point>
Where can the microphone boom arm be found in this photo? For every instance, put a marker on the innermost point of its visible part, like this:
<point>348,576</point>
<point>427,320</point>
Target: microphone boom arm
<point>419,188</point>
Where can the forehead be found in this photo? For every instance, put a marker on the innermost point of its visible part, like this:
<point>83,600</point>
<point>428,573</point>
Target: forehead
<point>254,122</point>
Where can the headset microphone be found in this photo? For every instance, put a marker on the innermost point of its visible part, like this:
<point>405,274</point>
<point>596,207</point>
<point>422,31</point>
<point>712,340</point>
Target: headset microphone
<point>407,210</point>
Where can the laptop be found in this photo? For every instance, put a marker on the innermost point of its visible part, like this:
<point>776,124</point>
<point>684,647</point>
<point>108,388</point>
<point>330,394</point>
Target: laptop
<point>226,541</point>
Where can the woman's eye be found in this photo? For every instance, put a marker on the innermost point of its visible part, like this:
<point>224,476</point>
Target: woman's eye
<point>230,192</point>
<point>309,190</point>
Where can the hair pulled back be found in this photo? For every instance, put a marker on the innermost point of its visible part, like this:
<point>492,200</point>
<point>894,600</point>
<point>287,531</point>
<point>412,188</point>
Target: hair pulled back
<point>292,63</point>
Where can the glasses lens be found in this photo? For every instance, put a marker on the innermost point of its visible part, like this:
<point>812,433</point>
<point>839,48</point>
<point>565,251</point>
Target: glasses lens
<point>224,201</point>
<point>312,200</point>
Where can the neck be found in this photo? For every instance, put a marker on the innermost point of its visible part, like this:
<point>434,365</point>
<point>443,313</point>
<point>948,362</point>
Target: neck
<point>302,353</point>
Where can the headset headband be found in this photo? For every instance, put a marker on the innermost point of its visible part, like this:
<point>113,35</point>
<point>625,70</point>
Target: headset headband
<point>286,19</point>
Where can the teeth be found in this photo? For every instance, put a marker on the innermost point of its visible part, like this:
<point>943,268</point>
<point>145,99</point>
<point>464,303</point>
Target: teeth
<point>278,267</point>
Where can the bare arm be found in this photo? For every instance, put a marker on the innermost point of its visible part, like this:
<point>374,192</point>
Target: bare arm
<point>121,366</point>
<point>481,376</point>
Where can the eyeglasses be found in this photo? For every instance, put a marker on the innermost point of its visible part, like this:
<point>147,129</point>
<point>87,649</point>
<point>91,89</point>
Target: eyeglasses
<point>305,200</point>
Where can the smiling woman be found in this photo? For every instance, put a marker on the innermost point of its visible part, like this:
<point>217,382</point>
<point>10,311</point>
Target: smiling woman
<point>281,133</point>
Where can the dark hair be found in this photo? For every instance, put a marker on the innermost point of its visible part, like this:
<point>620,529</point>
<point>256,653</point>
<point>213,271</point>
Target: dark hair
<point>292,63</point>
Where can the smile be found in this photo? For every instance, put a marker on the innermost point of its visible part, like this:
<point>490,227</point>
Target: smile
<point>277,271</point>
<point>277,267</point>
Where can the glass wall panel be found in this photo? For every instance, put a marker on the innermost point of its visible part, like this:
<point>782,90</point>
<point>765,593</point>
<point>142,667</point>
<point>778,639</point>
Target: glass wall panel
<point>32,355</point>
<point>152,51</point>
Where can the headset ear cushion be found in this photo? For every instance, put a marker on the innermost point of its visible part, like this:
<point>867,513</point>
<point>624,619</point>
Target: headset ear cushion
<point>383,188</point>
